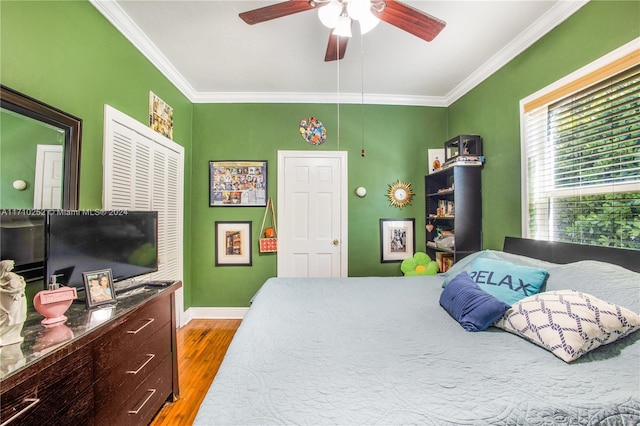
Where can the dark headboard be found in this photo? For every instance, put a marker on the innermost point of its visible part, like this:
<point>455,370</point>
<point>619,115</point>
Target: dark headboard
<point>556,252</point>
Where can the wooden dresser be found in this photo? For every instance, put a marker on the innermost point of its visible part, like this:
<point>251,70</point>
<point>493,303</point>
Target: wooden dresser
<point>114,365</point>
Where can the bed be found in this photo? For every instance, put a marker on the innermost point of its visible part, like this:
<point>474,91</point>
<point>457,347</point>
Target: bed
<point>384,351</point>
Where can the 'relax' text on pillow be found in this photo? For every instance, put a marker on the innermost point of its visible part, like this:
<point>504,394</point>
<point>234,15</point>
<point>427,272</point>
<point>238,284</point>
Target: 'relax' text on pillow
<point>505,280</point>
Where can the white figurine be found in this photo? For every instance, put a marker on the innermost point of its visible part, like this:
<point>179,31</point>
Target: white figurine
<point>13,304</point>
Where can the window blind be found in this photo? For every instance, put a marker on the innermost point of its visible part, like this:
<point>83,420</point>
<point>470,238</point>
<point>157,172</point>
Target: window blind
<point>583,164</point>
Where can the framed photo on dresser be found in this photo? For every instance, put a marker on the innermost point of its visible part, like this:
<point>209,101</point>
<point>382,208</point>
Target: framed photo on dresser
<point>98,287</point>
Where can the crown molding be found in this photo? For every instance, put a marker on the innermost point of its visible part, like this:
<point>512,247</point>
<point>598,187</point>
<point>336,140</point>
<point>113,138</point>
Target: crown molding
<point>318,98</point>
<point>123,23</point>
<point>554,17</point>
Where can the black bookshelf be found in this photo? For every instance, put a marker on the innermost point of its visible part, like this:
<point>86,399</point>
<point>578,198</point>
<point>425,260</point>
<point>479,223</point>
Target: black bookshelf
<point>453,201</point>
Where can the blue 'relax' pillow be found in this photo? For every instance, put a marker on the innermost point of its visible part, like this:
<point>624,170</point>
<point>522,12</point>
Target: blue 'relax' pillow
<point>505,280</point>
<point>472,307</point>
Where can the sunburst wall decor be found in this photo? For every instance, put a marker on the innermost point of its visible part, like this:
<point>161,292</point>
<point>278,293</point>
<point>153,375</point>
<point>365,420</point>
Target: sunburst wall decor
<point>400,194</point>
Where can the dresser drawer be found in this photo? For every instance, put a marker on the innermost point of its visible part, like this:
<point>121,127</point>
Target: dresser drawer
<point>142,403</point>
<point>127,375</point>
<point>120,343</point>
<point>62,390</point>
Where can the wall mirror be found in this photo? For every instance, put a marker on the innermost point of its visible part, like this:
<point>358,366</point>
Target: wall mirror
<point>39,154</point>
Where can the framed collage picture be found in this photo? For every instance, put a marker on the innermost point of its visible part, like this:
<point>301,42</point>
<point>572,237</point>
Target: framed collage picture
<point>237,183</point>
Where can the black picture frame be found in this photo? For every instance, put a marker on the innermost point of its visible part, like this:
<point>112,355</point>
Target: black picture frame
<point>98,287</point>
<point>233,243</point>
<point>397,239</point>
<point>238,183</point>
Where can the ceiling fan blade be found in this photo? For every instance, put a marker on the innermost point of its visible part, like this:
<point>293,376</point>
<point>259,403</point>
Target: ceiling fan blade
<point>411,20</point>
<point>335,48</point>
<point>277,10</point>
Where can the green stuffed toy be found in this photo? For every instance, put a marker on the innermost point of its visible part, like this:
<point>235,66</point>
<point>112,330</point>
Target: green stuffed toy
<point>419,264</point>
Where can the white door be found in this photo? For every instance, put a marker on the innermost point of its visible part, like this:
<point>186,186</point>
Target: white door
<point>47,186</point>
<point>144,170</point>
<point>312,214</point>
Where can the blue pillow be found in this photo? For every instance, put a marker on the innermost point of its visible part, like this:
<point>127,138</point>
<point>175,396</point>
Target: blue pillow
<point>472,307</point>
<point>505,280</point>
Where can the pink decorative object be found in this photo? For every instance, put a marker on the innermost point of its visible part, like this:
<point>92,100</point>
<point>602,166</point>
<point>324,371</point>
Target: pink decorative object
<point>51,337</point>
<point>52,304</point>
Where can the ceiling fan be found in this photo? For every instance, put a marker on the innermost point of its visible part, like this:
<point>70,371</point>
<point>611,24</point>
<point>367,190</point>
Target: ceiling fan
<point>340,15</point>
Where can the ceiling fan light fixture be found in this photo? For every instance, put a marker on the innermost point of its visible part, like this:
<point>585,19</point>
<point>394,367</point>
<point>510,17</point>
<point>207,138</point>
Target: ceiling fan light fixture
<point>368,22</point>
<point>358,8</point>
<point>343,29</point>
<point>330,13</point>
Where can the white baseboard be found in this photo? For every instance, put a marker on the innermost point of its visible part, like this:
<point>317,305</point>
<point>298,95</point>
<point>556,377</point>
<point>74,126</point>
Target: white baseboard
<point>213,313</point>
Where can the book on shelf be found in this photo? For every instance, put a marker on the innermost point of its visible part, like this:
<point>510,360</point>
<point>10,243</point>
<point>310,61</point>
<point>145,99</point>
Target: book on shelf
<point>467,160</point>
<point>444,260</point>
<point>445,208</point>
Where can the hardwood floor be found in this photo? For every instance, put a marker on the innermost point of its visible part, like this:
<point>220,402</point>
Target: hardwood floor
<point>201,348</point>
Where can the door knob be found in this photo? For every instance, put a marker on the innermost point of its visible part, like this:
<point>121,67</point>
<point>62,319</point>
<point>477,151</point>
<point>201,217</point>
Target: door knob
<point>336,242</point>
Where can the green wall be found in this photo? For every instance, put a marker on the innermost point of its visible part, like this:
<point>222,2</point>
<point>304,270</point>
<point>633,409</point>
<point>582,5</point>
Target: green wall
<point>66,54</point>
<point>492,108</point>
<point>20,137</point>
<point>396,139</point>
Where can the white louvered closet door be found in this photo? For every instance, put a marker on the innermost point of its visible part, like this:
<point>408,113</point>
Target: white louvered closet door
<point>164,183</point>
<point>143,170</point>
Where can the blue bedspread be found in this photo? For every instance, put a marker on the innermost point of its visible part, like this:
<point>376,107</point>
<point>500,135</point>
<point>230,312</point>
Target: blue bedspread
<point>381,351</point>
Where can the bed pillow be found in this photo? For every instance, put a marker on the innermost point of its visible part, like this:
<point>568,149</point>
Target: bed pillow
<point>464,264</point>
<point>468,304</point>
<point>568,323</point>
<point>608,282</point>
<point>505,280</point>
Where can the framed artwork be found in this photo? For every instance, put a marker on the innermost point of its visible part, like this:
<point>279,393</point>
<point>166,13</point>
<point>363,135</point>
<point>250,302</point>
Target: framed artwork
<point>233,243</point>
<point>160,116</point>
<point>237,183</point>
<point>435,159</point>
<point>98,287</point>
<point>397,239</point>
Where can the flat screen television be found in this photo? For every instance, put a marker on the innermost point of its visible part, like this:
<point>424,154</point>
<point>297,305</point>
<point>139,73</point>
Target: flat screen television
<point>124,241</point>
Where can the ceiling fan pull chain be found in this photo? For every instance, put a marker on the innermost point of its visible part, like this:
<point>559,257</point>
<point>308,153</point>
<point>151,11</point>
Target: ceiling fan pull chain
<point>338,100</point>
<point>362,93</point>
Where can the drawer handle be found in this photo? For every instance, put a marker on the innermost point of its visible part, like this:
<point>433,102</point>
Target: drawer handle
<point>32,403</point>
<point>151,356</point>
<point>149,321</point>
<point>152,392</point>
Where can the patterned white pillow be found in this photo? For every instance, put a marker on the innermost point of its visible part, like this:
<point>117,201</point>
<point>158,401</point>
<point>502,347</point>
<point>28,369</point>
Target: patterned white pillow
<point>568,323</point>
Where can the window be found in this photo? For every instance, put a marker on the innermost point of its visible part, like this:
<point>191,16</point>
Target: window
<point>581,157</point>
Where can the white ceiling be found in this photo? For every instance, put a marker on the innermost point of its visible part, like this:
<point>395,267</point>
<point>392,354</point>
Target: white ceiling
<point>211,55</point>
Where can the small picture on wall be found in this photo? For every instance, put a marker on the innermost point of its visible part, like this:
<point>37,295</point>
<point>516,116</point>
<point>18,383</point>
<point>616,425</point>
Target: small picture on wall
<point>233,243</point>
<point>237,183</point>
<point>397,239</point>
<point>160,116</point>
